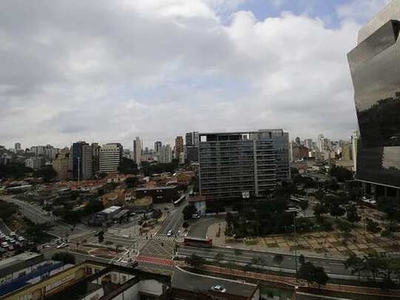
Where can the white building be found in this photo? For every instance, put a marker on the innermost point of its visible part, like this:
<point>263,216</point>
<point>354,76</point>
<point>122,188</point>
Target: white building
<point>165,155</point>
<point>110,157</point>
<point>35,163</point>
<point>137,151</point>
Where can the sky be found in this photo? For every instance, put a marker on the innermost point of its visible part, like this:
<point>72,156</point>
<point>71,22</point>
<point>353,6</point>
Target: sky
<point>108,71</point>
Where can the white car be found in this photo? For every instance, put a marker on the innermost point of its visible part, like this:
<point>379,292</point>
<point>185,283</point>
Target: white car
<point>170,233</point>
<point>218,288</point>
<point>63,245</point>
<point>5,245</point>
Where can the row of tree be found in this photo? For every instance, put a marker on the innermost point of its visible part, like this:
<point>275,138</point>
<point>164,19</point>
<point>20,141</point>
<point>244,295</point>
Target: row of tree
<point>375,265</point>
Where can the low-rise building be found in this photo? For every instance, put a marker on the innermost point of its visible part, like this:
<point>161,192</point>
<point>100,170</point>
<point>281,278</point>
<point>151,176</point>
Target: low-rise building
<point>160,194</point>
<point>94,280</point>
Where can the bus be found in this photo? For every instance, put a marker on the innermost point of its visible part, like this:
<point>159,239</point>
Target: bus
<point>197,242</point>
<point>180,200</point>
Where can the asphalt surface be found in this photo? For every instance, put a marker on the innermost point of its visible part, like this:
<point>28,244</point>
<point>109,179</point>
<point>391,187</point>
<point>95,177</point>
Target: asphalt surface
<point>245,256</point>
<point>175,220</point>
<point>199,227</point>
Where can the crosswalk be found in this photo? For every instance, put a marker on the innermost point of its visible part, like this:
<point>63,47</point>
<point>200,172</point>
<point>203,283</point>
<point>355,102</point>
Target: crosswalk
<point>163,237</point>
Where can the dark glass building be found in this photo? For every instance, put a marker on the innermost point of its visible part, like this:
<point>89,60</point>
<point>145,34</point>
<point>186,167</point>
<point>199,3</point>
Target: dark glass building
<point>375,70</point>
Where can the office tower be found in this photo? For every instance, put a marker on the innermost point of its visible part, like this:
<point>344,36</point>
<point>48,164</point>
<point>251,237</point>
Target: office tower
<point>192,146</point>
<point>165,155</point>
<point>87,161</point>
<point>297,141</point>
<point>309,144</point>
<point>321,142</point>
<point>157,146</point>
<point>96,157</point>
<point>35,162</point>
<point>110,157</point>
<point>374,65</point>
<point>137,151</point>
<point>61,165</point>
<point>239,165</point>
<point>17,146</point>
<point>81,159</point>
<point>280,140</point>
<point>178,146</point>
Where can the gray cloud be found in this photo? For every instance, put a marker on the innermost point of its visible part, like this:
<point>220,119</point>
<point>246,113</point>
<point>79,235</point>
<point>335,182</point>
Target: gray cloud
<point>112,70</point>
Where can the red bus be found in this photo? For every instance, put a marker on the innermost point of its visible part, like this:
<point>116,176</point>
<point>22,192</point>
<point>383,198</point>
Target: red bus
<point>197,242</point>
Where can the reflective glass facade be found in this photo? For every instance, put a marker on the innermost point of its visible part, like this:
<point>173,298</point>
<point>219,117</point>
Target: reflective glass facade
<point>375,70</point>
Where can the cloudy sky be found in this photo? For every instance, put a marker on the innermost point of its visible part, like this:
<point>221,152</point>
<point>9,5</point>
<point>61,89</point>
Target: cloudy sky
<point>107,71</point>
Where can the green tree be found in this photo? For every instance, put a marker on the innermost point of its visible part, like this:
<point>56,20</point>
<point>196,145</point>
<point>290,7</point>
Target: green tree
<point>341,174</point>
<point>128,166</point>
<point>47,173</point>
<point>336,211</point>
<point>355,264</point>
<point>7,210</point>
<point>238,252</point>
<point>302,259</point>
<point>278,260</point>
<point>312,274</point>
<point>131,182</point>
<point>188,211</point>
<point>303,205</point>
<point>92,207</point>
<point>66,258</point>
<point>319,210</point>
<point>344,227</point>
<point>372,264</point>
<point>373,226</point>
<point>352,214</point>
<point>194,260</point>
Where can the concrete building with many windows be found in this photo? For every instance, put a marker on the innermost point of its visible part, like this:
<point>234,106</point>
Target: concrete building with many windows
<point>110,157</point>
<point>137,151</point>
<point>178,146</point>
<point>239,165</point>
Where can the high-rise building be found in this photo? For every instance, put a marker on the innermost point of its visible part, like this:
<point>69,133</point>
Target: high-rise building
<point>165,155</point>
<point>61,165</point>
<point>178,146</point>
<point>157,146</point>
<point>376,79</point>
<point>96,157</point>
<point>297,141</point>
<point>110,157</point>
<point>137,151</point>
<point>192,146</point>
<point>239,165</point>
<point>81,160</point>
<point>321,143</point>
<point>35,162</point>
<point>17,146</point>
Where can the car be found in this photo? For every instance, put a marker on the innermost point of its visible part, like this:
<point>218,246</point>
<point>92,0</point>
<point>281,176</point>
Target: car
<point>10,248</point>
<point>218,288</point>
<point>21,238</point>
<point>63,245</point>
<point>12,241</point>
<point>170,233</point>
<point>4,244</point>
<point>12,233</point>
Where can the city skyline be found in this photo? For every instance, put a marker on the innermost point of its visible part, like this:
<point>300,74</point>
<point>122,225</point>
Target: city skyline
<point>237,72</point>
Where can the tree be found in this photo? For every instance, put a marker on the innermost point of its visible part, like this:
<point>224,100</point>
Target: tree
<point>47,173</point>
<point>219,256</point>
<point>312,274</point>
<point>128,166</point>
<point>355,264</point>
<point>278,259</point>
<point>373,226</point>
<point>372,264</point>
<point>302,259</point>
<point>66,258</point>
<point>92,207</point>
<point>336,211</point>
<point>345,227</point>
<point>131,182</point>
<point>185,225</point>
<point>7,210</point>
<point>194,260</point>
<point>341,174</point>
<point>238,252</point>
<point>352,215</point>
<point>303,205</point>
<point>319,210</point>
<point>188,211</point>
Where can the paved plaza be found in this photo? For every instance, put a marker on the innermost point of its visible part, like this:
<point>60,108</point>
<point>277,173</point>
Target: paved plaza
<point>327,244</point>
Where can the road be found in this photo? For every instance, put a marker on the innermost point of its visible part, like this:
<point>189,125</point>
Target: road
<point>175,220</point>
<point>39,216</point>
<point>245,256</point>
<point>199,227</point>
